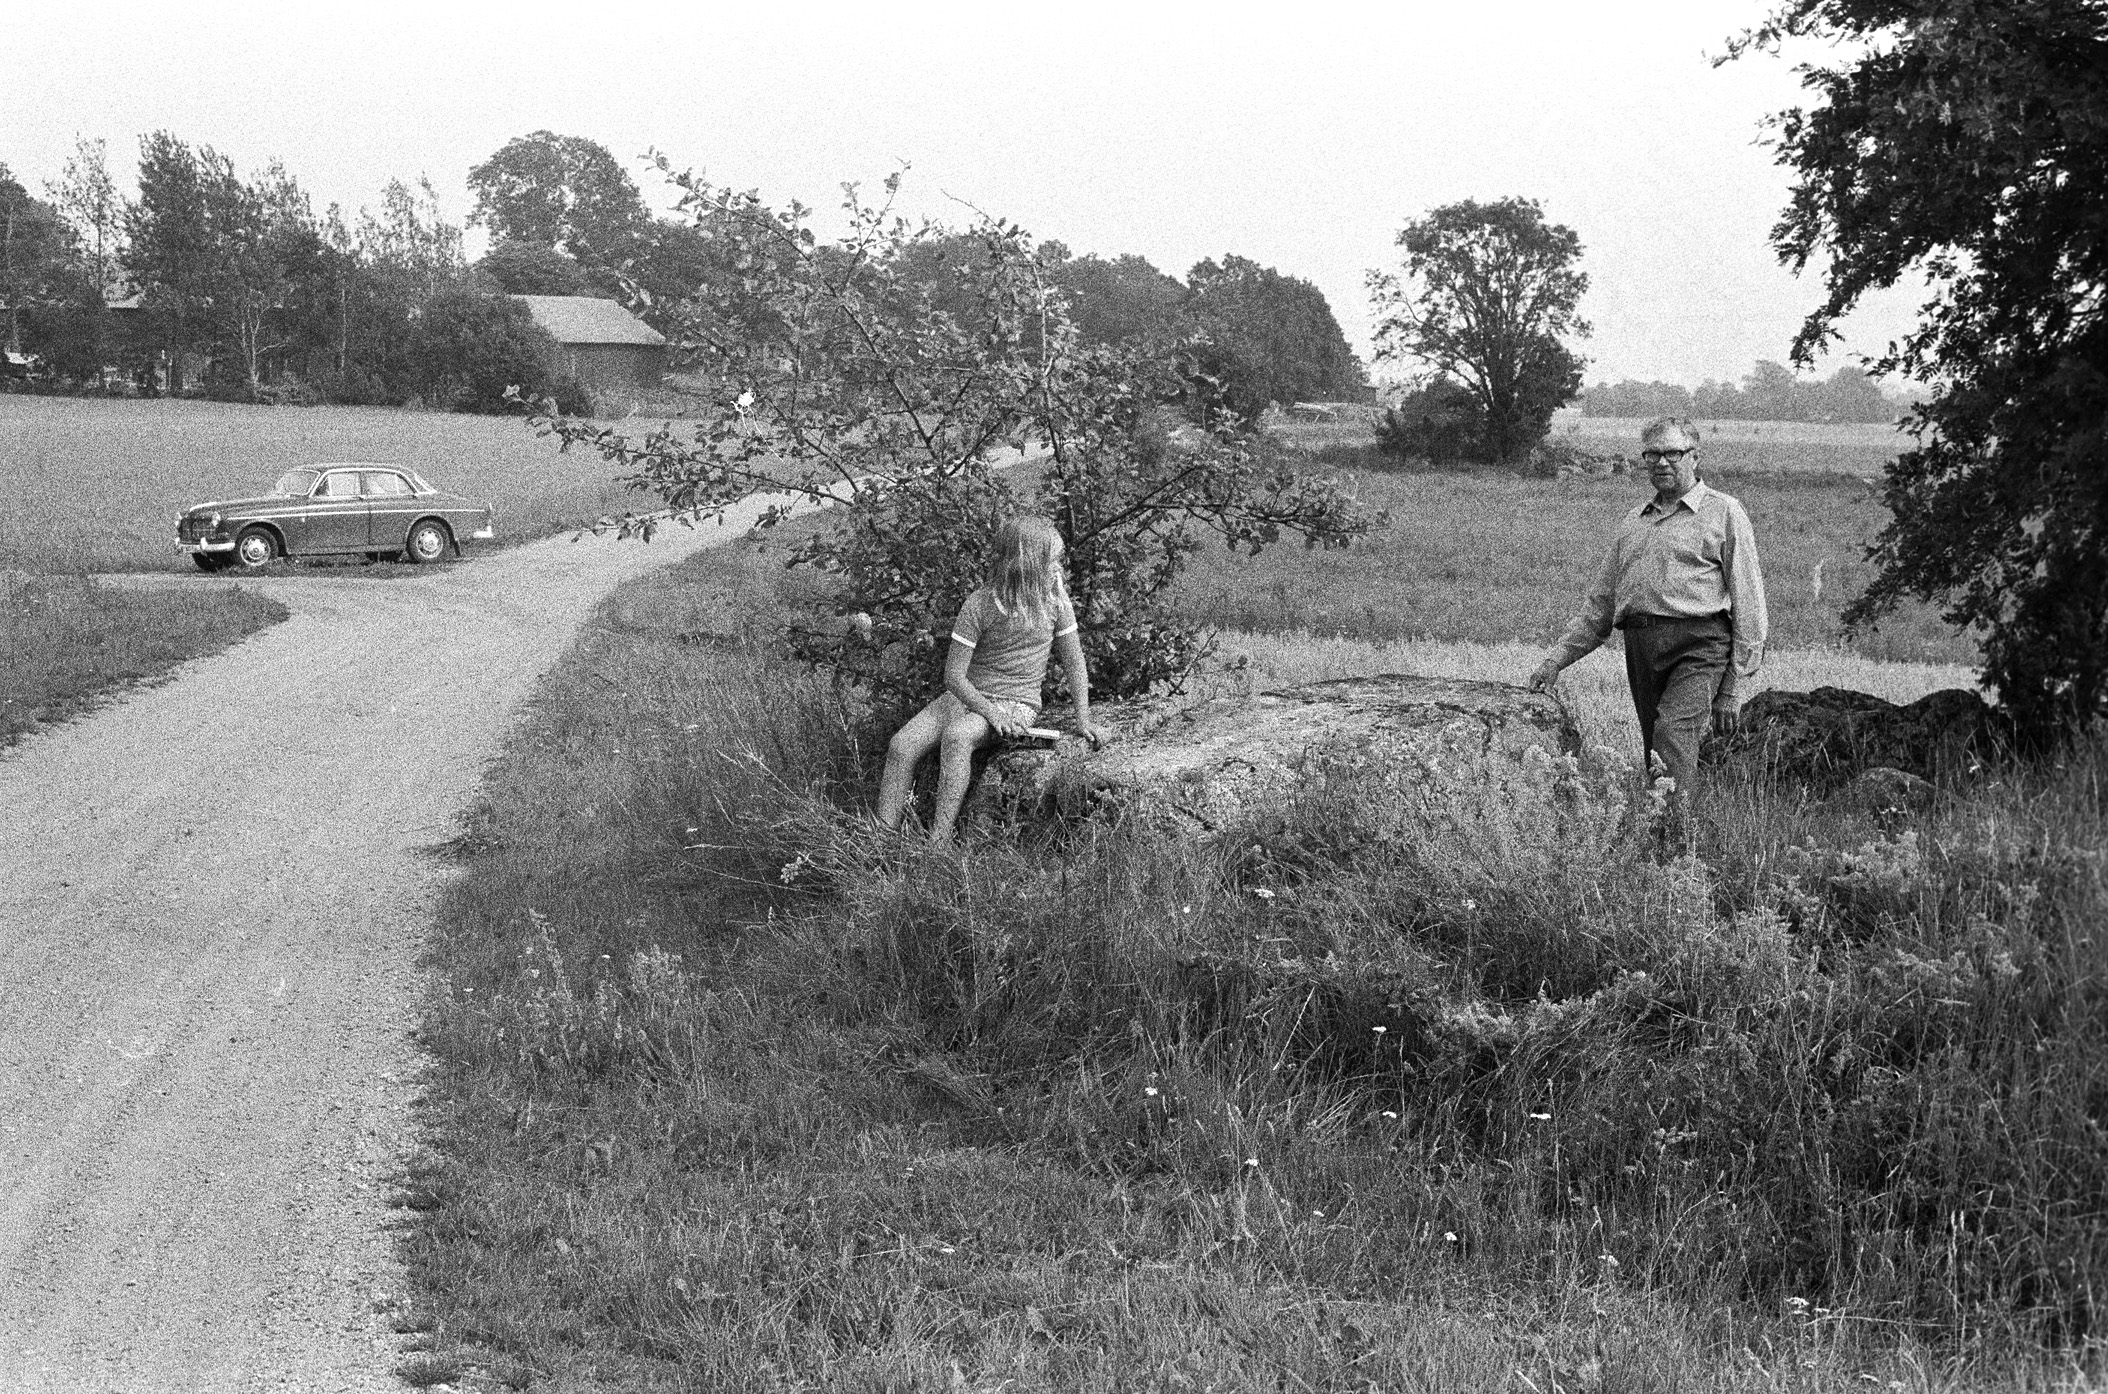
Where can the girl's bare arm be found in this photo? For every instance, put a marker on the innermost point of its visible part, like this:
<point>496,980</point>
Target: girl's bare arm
<point>1069,648</point>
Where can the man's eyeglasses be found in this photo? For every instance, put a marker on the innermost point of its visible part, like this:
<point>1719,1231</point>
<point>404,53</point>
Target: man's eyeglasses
<point>1674,457</point>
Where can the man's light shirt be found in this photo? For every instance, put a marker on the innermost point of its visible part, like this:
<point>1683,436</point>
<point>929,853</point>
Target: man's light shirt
<point>1693,558</point>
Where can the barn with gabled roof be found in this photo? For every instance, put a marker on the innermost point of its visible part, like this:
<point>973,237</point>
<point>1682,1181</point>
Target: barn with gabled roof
<point>607,349</point>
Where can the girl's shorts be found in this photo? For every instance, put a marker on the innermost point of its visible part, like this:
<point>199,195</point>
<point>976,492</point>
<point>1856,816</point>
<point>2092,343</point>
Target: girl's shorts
<point>951,709</point>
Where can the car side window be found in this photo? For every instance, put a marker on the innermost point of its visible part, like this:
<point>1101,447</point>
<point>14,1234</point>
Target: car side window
<point>386,484</point>
<point>344,484</point>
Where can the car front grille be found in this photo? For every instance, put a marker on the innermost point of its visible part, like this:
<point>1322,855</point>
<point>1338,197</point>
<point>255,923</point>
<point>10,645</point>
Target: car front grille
<point>191,530</point>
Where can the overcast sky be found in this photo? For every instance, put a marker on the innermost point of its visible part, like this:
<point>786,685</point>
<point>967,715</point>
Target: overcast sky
<point>1302,136</point>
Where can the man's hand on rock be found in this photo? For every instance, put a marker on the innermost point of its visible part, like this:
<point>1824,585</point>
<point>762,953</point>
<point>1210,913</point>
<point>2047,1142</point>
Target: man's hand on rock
<point>1096,735</point>
<point>1547,673</point>
<point>1727,715</point>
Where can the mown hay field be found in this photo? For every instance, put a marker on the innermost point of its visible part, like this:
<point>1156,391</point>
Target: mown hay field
<point>95,485</point>
<point>1485,556</point>
<point>1841,447</point>
<point>1860,449</point>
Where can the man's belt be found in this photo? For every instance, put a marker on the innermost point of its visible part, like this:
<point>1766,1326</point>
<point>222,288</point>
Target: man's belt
<point>1640,619</point>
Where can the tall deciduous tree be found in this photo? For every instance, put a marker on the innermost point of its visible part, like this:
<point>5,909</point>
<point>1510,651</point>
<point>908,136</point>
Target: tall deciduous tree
<point>1968,140</point>
<point>86,195</point>
<point>1120,300</point>
<point>1269,337</point>
<point>566,192</point>
<point>1486,296</point>
<point>35,255</point>
<point>172,248</point>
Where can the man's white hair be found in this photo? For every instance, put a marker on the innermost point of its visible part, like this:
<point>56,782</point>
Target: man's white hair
<point>1662,425</point>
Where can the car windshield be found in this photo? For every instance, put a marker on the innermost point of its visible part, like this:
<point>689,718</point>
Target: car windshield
<point>294,484</point>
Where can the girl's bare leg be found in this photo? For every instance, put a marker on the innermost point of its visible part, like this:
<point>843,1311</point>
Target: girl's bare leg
<point>961,738</point>
<point>909,744</point>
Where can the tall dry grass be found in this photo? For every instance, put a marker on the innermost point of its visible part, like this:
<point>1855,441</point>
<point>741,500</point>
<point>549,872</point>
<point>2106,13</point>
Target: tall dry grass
<point>1419,1086</point>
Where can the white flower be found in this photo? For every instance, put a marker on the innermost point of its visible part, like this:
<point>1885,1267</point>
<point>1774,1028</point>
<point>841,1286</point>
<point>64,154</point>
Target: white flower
<point>1150,1090</point>
<point>1262,892</point>
<point>1379,1030</point>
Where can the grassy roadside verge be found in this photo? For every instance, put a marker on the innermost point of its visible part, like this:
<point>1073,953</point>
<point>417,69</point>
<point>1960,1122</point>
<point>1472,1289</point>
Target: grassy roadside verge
<point>713,1114</point>
<point>68,642</point>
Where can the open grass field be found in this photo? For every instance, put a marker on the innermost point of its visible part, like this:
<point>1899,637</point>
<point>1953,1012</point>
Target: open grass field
<point>1731,447</point>
<point>1475,557</point>
<point>95,485</point>
<point>734,1095</point>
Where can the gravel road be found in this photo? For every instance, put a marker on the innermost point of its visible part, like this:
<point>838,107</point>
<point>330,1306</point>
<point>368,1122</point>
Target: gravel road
<point>211,902</point>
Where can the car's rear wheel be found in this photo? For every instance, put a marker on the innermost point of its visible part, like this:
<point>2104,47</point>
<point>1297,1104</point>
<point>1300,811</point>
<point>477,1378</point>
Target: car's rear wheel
<point>255,549</point>
<point>428,542</point>
<point>211,561</point>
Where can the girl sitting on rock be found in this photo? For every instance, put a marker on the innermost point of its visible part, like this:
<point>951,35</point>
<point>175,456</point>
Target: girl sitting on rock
<point>993,673</point>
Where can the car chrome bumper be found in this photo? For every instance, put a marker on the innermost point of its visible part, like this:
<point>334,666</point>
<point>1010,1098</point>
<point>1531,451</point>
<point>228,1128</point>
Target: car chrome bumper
<point>483,534</point>
<point>227,546</point>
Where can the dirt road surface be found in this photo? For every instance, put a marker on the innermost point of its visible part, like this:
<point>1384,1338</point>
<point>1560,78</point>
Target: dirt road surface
<point>211,900</point>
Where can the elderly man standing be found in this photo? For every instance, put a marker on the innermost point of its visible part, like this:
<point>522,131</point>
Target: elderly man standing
<point>1682,581</point>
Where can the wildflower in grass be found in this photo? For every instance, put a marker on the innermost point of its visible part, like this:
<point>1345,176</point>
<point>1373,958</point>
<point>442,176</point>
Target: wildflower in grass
<point>1251,1161</point>
<point>1149,1091</point>
<point>1262,892</point>
<point>1380,1030</point>
<point>1391,1114</point>
<point>1542,1117</point>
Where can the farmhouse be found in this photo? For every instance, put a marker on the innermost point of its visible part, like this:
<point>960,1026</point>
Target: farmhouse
<point>610,351</point>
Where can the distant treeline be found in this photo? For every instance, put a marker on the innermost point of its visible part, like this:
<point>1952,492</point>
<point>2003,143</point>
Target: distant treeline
<point>209,282</point>
<point>1770,393</point>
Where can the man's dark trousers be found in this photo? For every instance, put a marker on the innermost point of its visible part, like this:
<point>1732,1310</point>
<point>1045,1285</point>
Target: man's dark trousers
<point>1675,667</point>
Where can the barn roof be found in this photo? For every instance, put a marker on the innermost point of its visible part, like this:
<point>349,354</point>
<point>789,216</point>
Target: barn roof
<point>582,319</point>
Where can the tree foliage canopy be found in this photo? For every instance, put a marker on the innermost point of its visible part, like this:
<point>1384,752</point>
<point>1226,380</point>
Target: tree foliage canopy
<point>1267,337</point>
<point>566,192</point>
<point>888,371</point>
<point>1968,140</point>
<point>1486,295</point>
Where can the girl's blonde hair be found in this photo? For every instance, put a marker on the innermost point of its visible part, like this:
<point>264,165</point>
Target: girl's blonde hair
<point>1024,568</point>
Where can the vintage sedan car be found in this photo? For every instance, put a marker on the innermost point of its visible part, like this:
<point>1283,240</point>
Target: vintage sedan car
<point>381,512</point>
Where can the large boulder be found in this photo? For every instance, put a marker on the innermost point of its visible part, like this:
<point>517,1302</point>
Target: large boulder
<point>1205,767</point>
<point>1825,738</point>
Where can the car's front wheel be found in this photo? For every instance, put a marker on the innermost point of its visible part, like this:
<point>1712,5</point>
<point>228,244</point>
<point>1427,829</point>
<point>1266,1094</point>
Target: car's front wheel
<point>428,542</point>
<point>254,549</point>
